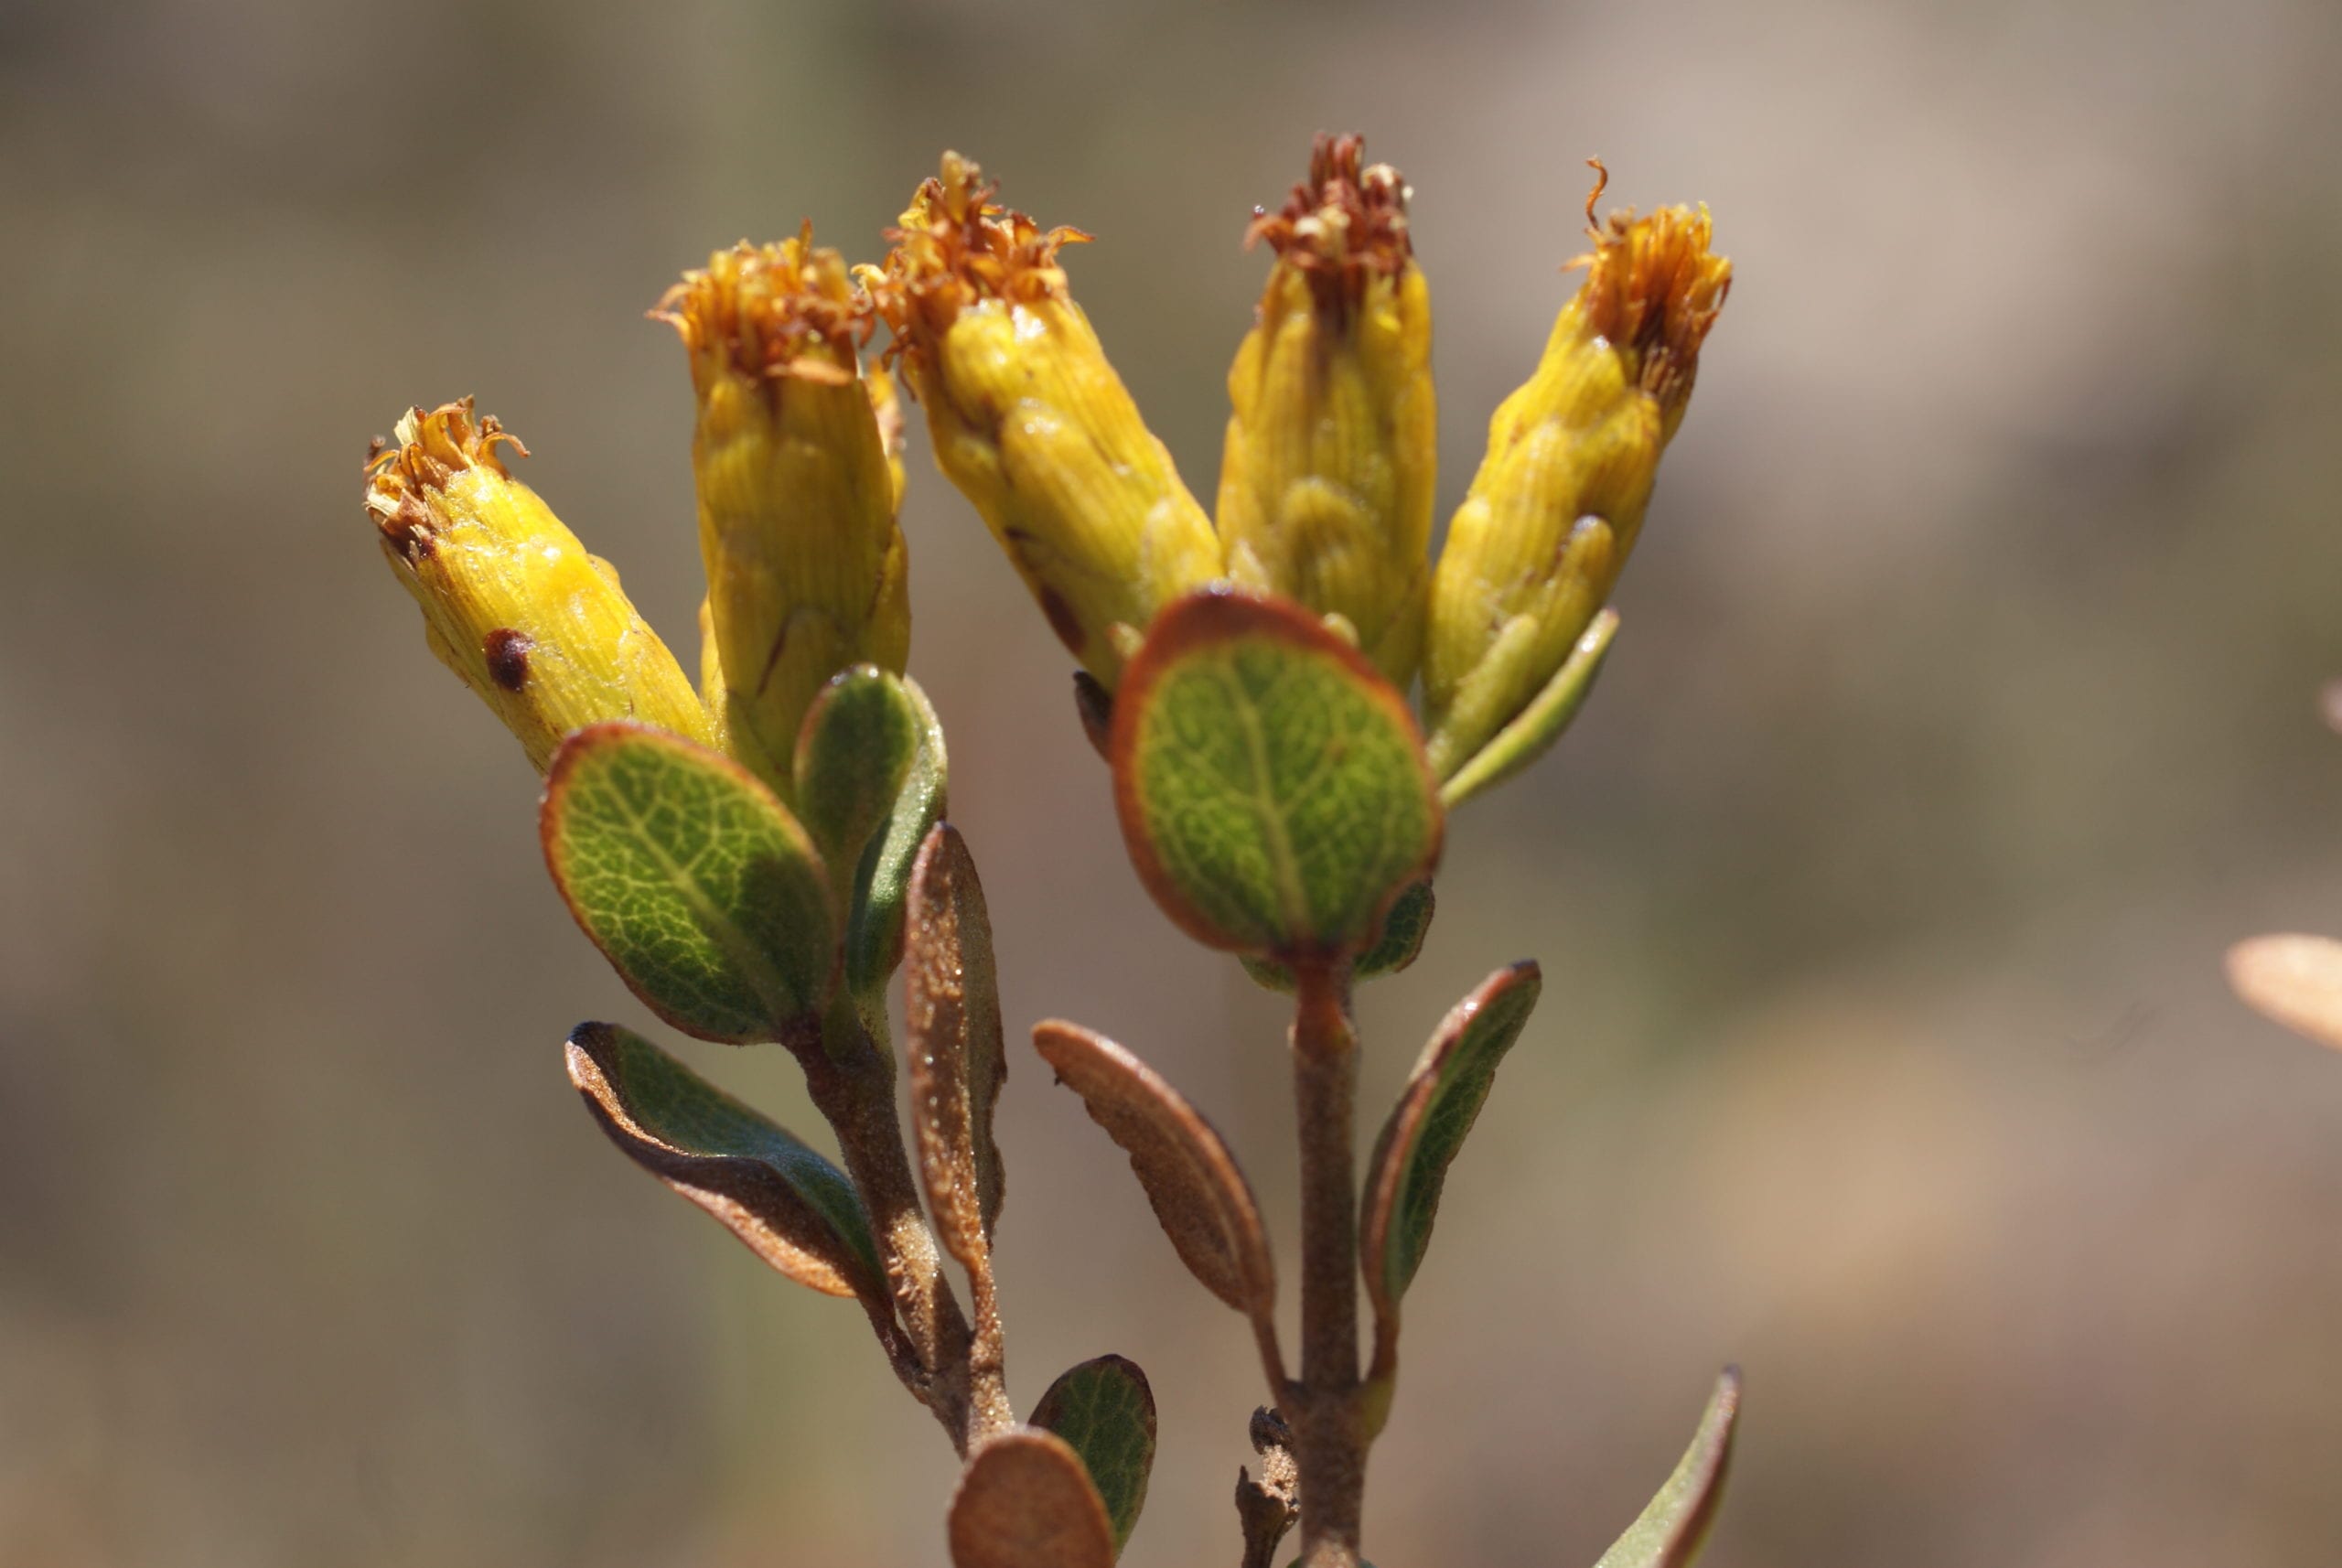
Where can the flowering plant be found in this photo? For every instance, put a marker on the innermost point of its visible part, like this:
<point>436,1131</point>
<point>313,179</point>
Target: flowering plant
<point>760,853</point>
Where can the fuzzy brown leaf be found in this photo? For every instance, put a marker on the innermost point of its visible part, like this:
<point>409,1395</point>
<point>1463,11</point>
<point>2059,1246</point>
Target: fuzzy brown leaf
<point>1026,1501</point>
<point>2292,980</point>
<point>958,1058</point>
<point>1198,1191</point>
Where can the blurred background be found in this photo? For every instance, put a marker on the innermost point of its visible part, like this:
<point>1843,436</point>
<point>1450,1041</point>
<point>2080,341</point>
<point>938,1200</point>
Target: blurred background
<point>1965,710</point>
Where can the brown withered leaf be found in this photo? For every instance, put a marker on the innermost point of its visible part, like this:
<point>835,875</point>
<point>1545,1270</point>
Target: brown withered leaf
<point>958,1057</point>
<point>1026,1501</point>
<point>1198,1192</point>
<point>789,1205</point>
<point>2292,980</point>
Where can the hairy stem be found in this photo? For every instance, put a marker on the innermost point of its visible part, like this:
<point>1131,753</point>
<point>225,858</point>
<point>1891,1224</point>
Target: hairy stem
<point>856,1094</point>
<point>1329,1429</point>
<point>988,1407</point>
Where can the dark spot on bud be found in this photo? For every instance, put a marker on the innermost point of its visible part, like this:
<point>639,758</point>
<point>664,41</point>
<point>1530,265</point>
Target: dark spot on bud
<point>507,657</point>
<point>1062,620</point>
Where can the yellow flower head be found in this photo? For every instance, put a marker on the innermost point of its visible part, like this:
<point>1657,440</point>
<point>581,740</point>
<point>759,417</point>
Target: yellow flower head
<point>1554,510</point>
<point>511,601</point>
<point>1326,486</point>
<point>806,568</point>
<point>1032,423</point>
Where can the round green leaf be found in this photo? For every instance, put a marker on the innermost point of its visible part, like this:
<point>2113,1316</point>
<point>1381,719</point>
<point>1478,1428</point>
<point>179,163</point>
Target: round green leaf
<point>1270,783</point>
<point>692,878</point>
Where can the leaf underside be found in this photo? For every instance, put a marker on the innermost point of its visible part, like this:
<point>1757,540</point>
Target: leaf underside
<point>2296,980</point>
<point>1199,1194</point>
<point>958,1058</point>
<point>1026,1501</point>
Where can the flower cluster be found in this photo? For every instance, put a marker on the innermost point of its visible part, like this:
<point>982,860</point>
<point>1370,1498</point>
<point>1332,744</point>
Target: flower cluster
<point>1325,497</point>
<point>759,857</point>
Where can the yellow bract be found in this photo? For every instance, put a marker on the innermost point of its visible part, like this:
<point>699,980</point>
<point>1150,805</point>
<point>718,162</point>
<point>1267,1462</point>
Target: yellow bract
<point>511,600</point>
<point>1555,507</point>
<point>797,489</point>
<point>1326,484</point>
<point>1032,423</point>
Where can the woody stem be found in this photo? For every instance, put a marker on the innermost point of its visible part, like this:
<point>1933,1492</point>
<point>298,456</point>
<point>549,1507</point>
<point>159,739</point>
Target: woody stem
<point>1328,1418</point>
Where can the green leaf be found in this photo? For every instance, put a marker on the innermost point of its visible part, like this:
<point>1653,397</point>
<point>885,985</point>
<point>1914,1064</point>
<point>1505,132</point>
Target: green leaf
<point>1404,925</point>
<point>1105,1410</point>
<point>792,1207</point>
<point>1436,1109</point>
<point>1673,1528</point>
<point>1026,1501</point>
<point>859,742</point>
<point>1193,1183</point>
<point>874,941</point>
<point>692,878</point>
<point>952,1014</point>
<point>1270,783</point>
<point>1536,727</point>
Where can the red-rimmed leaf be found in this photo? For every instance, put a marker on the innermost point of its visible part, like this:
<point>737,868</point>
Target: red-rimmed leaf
<point>692,878</point>
<point>1270,784</point>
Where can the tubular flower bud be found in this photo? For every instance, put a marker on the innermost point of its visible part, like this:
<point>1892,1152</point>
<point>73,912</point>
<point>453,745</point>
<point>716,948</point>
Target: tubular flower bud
<point>1551,517</point>
<point>1326,486</point>
<point>806,567</point>
<point>1031,422</point>
<point>512,602</point>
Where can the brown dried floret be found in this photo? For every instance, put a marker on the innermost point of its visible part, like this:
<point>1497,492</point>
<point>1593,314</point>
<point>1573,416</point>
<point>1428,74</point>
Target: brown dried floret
<point>1652,289</point>
<point>1344,224</point>
<point>954,246</point>
<point>786,309</point>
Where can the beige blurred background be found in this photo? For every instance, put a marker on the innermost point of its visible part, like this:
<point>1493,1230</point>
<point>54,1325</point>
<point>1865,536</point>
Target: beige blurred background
<point>1965,710</point>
